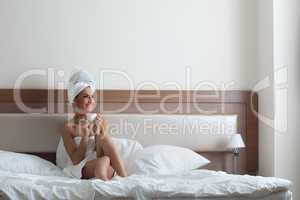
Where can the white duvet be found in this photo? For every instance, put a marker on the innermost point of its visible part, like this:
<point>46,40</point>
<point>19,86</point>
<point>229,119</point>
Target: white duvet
<point>197,183</point>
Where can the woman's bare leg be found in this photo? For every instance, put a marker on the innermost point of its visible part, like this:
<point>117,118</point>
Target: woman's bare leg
<point>99,150</point>
<point>99,168</point>
<point>108,148</point>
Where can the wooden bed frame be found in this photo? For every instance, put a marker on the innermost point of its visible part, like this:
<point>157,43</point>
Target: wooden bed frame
<point>239,103</point>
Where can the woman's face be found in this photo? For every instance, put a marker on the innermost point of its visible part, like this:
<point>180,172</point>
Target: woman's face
<point>85,101</point>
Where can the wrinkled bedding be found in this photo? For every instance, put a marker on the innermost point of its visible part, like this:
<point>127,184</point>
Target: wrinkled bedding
<point>192,184</point>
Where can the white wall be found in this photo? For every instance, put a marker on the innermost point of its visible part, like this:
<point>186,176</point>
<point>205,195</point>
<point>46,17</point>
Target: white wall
<point>149,40</point>
<point>287,90</point>
<point>278,58</point>
<point>265,95</point>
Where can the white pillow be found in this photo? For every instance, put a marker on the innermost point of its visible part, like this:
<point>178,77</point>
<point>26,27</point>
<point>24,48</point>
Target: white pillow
<point>126,147</point>
<point>164,159</point>
<point>26,163</point>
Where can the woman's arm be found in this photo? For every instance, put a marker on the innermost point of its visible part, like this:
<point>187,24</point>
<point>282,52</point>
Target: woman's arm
<point>76,154</point>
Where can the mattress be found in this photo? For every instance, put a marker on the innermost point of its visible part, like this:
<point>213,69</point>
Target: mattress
<point>196,184</point>
<point>285,195</point>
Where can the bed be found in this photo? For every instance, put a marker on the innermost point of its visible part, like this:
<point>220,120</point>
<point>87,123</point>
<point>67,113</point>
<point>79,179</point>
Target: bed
<point>202,121</point>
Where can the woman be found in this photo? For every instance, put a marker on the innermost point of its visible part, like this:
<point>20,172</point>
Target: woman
<point>85,150</point>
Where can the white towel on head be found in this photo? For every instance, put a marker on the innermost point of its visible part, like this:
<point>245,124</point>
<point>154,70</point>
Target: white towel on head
<point>78,81</point>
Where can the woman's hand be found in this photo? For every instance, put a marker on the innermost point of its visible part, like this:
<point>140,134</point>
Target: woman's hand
<point>84,128</point>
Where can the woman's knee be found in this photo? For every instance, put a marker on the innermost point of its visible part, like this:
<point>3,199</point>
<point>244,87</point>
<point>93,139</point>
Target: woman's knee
<point>104,161</point>
<point>101,168</point>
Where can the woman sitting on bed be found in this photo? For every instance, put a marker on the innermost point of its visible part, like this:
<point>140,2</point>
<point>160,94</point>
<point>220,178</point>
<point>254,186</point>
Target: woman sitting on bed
<point>85,150</point>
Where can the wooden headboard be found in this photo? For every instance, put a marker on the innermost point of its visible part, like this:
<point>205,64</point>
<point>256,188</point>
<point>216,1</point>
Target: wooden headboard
<point>238,103</point>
